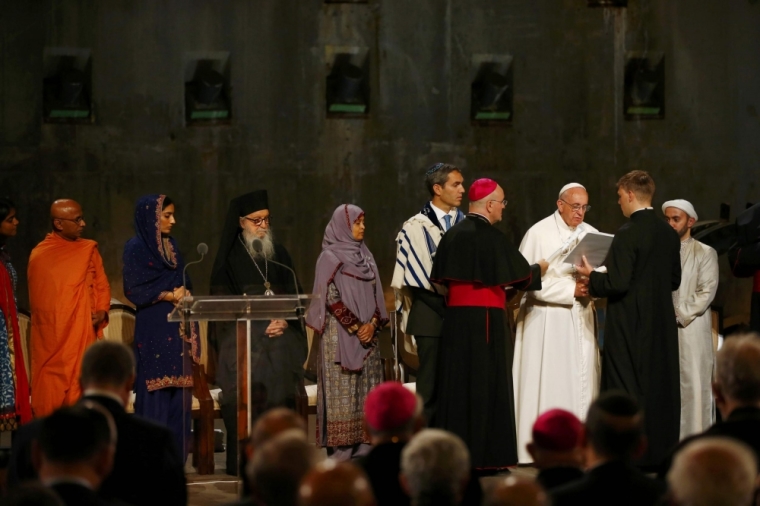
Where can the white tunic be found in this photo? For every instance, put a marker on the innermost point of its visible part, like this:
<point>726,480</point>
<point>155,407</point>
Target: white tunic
<point>556,361</point>
<point>699,282</point>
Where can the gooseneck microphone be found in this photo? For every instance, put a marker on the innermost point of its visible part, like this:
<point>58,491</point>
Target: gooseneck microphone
<point>202,249</point>
<point>258,247</point>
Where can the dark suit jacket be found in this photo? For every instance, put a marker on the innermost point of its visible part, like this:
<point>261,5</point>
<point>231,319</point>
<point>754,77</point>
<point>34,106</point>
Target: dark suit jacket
<point>147,468</point>
<point>555,477</point>
<point>73,494</point>
<point>383,465</point>
<point>742,424</point>
<point>618,483</point>
<point>426,314</point>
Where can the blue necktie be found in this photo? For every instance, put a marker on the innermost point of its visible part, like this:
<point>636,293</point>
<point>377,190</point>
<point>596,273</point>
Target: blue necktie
<point>447,219</point>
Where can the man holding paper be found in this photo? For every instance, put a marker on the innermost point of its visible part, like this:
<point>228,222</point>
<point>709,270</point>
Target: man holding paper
<point>640,354</point>
<point>556,362</point>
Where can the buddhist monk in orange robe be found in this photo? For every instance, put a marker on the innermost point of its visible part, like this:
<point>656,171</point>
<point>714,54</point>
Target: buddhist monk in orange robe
<point>70,298</point>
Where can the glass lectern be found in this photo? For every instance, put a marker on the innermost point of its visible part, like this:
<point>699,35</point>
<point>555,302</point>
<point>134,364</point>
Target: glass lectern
<point>243,309</point>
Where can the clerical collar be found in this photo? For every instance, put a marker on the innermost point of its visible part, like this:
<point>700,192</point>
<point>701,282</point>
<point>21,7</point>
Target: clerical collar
<point>478,215</point>
<point>440,213</point>
<point>641,209</point>
<point>96,392</point>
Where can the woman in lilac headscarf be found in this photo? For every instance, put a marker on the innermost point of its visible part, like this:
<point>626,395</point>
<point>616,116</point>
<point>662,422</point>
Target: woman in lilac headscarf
<point>348,315</point>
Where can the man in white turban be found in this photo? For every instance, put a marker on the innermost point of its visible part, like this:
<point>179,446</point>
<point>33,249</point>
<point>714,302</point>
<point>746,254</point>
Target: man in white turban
<point>556,361</point>
<point>699,282</point>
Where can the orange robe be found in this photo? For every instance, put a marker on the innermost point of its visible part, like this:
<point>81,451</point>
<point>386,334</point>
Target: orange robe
<point>67,284</point>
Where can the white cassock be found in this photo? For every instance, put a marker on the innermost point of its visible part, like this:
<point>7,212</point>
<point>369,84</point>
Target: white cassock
<point>699,282</point>
<point>556,361</point>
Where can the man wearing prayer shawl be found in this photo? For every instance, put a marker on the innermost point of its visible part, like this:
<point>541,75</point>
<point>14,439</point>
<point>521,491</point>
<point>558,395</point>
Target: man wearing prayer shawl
<point>421,302</point>
<point>474,393</point>
<point>278,349</point>
<point>70,298</point>
<point>699,283</point>
<point>348,315</point>
<point>556,362</point>
<point>640,354</point>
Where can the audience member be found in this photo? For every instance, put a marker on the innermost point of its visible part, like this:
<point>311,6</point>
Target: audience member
<point>737,393</point>
<point>74,453</point>
<point>333,483</point>
<point>556,448</point>
<point>272,423</point>
<point>614,438</point>
<point>31,494</point>
<point>277,467</point>
<point>435,468</point>
<point>713,471</point>
<point>147,469</point>
<point>268,424</point>
<point>392,415</point>
<point>517,491</point>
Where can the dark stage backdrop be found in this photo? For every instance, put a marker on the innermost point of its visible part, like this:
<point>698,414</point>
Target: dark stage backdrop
<point>568,122</point>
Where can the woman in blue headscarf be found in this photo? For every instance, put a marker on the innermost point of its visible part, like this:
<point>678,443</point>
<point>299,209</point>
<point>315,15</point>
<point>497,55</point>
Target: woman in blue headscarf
<point>348,315</point>
<point>163,350</point>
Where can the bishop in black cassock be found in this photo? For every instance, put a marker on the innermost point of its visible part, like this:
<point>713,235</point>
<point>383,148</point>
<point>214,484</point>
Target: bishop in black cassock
<point>477,262</point>
<point>640,349</point>
<point>277,361</point>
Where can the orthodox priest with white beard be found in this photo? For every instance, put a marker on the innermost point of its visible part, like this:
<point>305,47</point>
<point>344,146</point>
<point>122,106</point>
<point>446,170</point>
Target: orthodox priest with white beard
<point>556,362</point>
<point>278,349</point>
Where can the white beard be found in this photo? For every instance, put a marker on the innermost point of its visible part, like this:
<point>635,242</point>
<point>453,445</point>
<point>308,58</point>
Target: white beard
<point>267,244</point>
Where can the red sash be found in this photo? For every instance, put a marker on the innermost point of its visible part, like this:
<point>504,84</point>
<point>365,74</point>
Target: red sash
<point>469,294</point>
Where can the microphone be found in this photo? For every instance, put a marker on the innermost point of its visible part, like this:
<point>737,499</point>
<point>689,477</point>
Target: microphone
<point>258,247</point>
<point>202,249</point>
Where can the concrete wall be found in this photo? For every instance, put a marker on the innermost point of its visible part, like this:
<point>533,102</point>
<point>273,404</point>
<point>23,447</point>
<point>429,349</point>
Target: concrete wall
<point>568,123</point>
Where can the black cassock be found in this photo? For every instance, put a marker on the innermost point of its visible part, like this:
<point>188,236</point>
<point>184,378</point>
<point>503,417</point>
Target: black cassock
<point>640,349</point>
<point>474,383</point>
<point>276,363</point>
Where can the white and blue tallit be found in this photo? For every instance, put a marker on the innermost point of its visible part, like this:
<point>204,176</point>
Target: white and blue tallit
<point>416,245</point>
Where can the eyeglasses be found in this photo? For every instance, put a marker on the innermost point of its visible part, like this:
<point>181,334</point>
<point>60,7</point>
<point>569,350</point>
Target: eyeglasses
<point>78,221</point>
<point>503,202</point>
<point>259,221</point>
<point>578,207</point>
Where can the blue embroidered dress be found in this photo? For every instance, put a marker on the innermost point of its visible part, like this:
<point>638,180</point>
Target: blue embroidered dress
<point>163,387</point>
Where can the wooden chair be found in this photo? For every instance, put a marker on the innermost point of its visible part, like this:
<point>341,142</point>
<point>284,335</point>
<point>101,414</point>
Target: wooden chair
<point>205,409</point>
<point>306,395</point>
<point>25,329</point>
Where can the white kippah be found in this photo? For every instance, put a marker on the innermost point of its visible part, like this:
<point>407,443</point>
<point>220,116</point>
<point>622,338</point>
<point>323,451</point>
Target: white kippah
<point>570,186</point>
<point>683,205</point>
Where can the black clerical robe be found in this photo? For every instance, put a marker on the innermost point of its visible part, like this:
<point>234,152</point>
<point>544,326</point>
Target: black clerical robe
<point>475,399</point>
<point>640,349</point>
<point>276,363</point>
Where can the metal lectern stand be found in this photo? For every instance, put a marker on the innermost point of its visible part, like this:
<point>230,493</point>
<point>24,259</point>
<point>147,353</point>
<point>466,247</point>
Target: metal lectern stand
<point>242,309</point>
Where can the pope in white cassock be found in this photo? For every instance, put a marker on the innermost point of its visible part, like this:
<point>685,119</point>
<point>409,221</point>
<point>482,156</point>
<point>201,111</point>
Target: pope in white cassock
<point>699,283</point>
<point>556,361</point>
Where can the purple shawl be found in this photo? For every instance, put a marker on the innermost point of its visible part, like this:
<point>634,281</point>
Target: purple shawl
<point>350,265</point>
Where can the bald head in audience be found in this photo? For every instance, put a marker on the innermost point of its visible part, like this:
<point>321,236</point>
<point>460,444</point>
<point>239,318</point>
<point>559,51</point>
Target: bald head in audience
<point>517,491</point>
<point>713,471</point>
<point>737,373</point>
<point>335,484</point>
<point>279,465</point>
